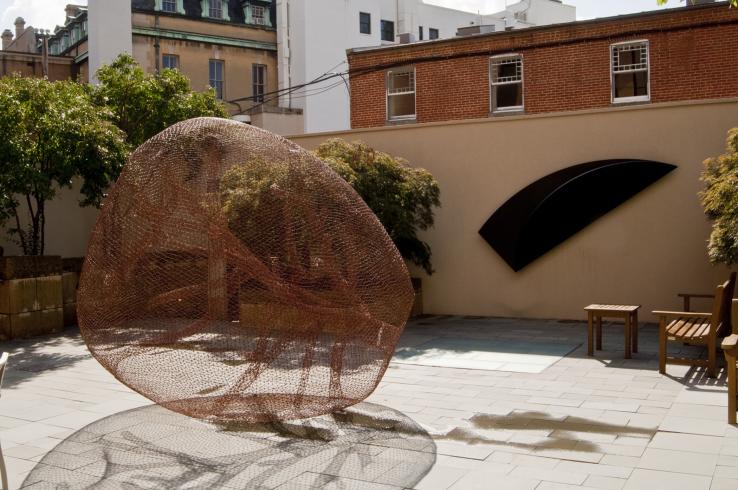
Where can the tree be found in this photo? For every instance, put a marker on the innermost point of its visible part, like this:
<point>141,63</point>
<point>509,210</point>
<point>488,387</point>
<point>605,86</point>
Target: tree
<point>402,197</point>
<point>144,105</point>
<point>720,202</point>
<point>52,133</point>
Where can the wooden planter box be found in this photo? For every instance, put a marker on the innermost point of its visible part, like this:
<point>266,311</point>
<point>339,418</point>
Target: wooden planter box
<point>418,303</point>
<point>72,267</point>
<point>31,299</point>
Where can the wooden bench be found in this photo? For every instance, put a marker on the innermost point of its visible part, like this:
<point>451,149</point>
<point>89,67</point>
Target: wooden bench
<point>694,328</point>
<point>730,349</point>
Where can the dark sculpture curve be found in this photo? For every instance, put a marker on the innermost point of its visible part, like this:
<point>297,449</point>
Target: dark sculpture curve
<point>557,206</point>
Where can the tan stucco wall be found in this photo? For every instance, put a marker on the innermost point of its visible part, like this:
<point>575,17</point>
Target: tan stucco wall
<point>67,226</point>
<point>643,252</point>
<point>279,123</point>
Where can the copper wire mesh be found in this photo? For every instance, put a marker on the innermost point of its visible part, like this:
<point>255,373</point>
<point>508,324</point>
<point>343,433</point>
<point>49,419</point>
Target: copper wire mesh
<point>232,275</point>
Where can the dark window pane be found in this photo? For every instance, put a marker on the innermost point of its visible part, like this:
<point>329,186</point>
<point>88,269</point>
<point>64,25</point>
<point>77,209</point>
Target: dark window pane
<point>634,84</point>
<point>401,105</point>
<point>432,33</point>
<point>420,33</point>
<point>506,70</point>
<point>169,5</point>
<point>170,61</point>
<point>365,23</point>
<point>258,74</point>
<point>510,95</point>
<point>388,30</point>
<point>216,77</point>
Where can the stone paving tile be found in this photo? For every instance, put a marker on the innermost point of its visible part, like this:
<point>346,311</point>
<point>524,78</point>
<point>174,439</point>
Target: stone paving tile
<point>679,461</point>
<point>602,422</point>
<point>649,479</point>
<point>605,482</point>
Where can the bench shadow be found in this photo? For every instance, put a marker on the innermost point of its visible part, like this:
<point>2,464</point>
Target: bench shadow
<point>554,432</point>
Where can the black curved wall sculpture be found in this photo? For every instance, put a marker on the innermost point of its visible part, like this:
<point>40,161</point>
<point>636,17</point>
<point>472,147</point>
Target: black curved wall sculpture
<point>554,208</point>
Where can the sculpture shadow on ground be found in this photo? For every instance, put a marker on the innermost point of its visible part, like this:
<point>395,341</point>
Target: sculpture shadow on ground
<point>151,447</point>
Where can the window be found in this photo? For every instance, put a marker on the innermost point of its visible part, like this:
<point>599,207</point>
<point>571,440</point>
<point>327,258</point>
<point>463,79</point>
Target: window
<point>171,6</point>
<point>506,83</point>
<point>388,30</point>
<point>420,33</point>
<point>170,61</point>
<point>432,33</point>
<point>216,9</point>
<point>258,15</point>
<point>217,69</point>
<point>630,72</point>
<point>365,23</point>
<point>258,81</point>
<point>401,94</point>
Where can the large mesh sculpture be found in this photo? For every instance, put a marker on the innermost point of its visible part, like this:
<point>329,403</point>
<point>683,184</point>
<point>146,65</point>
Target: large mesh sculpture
<point>233,276</point>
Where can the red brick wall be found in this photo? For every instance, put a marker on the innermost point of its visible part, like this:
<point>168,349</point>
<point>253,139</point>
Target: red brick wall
<point>693,55</point>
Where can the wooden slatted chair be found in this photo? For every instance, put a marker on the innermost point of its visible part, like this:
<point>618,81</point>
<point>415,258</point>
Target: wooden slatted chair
<point>696,329</point>
<point>688,297</point>
<point>730,349</point>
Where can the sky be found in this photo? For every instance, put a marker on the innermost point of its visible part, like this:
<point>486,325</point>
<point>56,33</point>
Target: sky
<point>48,13</point>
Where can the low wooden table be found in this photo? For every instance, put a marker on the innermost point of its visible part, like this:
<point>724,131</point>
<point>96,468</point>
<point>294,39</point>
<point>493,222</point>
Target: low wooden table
<point>629,314</point>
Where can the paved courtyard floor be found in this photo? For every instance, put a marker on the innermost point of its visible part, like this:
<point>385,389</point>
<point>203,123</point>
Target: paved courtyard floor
<point>484,402</point>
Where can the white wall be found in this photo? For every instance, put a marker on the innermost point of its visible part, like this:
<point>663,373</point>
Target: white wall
<point>110,32</point>
<point>313,37</point>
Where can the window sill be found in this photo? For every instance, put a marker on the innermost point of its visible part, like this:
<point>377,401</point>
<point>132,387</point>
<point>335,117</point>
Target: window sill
<point>631,100</point>
<point>401,120</point>
<point>517,111</point>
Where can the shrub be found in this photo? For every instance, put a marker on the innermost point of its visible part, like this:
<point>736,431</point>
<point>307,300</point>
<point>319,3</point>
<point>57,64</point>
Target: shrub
<point>720,201</point>
<point>401,196</point>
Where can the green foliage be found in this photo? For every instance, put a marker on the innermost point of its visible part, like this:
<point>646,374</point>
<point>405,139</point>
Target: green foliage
<point>144,105</point>
<point>402,197</point>
<point>51,134</point>
<point>720,201</point>
<point>251,195</point>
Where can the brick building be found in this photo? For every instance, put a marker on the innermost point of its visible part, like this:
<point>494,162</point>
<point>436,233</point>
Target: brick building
<point>686,53</point>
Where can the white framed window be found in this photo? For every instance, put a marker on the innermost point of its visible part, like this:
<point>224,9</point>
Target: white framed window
<point>171,6</point>
<point>258,81</point>
<point>215,9</point>
<point>506,83</point>
<point>258,15</point>
<point>170,61</point>
<point>629,62</point>
<point>217,75</point>
<point>401,94</point>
